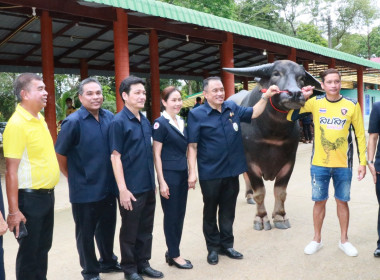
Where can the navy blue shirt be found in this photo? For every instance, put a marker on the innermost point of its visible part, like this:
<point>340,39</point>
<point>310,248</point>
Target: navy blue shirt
<point>84,141</point>
<point>174,144</point>
<point>220,145</point>
<point>133,140</point>
<point>374,127</point>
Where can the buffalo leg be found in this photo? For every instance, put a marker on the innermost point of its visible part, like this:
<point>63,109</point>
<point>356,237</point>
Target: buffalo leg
<point>261,220</point>
<point>279,215</point>
<point>248,189</point>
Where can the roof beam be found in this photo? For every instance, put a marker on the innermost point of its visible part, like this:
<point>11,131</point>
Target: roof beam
<point>165,51</point>
<point>68,7</point>
<point>85,42</point>
<point>17,30</point>
<point>184,55</point>
<point>59,33</point>
<point>164,25</point>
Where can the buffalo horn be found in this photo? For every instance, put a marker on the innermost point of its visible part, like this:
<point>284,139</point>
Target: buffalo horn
<point>260,71</point>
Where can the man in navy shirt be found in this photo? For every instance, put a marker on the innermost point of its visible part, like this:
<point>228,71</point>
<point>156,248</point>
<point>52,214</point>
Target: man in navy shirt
<point>83,157</point>
<point>215,140</point>
<point>130,137</point>
<point>374,161</point>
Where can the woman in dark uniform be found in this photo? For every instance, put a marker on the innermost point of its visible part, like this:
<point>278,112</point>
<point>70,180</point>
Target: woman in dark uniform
<point>169,149</point>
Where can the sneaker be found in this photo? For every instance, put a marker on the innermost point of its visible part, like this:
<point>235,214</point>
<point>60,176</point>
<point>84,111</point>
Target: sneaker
<point>348,249</point>
<point>313,247</point>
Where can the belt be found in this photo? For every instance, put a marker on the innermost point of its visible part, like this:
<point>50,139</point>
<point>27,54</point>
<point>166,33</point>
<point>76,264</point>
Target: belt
<point>48,191</point>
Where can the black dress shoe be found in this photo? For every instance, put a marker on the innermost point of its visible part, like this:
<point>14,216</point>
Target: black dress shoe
<point>133,276</point>
<point>152,273</point>
<point>212,257</point>
<point>377,253</point>
<point>187,265</point>
<point>231,253</point>
<point>113,268</point>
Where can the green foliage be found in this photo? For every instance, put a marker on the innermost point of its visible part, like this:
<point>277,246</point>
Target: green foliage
<point>353,44</point>
<point>311,33</point>
<point>7,97</point>
<point>261,13</point>
<point>222,8</point>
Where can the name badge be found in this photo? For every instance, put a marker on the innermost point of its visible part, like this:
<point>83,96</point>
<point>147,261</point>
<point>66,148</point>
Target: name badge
<point>235,125</point>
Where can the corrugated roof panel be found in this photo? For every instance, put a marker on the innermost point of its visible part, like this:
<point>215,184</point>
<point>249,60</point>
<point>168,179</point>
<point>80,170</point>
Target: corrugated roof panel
<point>161,9</point>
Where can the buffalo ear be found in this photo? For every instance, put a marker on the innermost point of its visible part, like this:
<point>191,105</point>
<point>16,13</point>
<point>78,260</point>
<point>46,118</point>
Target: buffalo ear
<point>260,71</point>
<point>311,81</point>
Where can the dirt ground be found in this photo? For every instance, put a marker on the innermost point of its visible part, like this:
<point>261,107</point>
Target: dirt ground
<point>274,254</point>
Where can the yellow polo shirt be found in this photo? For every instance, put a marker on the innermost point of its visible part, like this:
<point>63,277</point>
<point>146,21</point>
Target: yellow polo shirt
<point>28,138</point>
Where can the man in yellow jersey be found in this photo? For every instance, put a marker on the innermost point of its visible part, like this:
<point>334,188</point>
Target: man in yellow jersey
<point>32,171</point>
<point>334,115</point>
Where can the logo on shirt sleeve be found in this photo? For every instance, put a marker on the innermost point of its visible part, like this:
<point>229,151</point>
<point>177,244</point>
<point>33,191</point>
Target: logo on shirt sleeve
<point>156,125</point>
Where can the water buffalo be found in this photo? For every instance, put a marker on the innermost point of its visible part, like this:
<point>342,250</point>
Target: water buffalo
<point>270,141</point>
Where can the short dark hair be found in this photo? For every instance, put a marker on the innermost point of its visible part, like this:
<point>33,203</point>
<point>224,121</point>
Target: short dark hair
<point>165,94</point>
<point>22,82</point>
<point>126,84</point>
<point>323,74</point>
<point>207,80</point>
<point>198,99</point>
<point>87,81</point>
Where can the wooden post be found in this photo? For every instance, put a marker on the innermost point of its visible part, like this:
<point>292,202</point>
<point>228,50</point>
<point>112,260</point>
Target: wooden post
<point>121,51</point>
<point>48,71</point>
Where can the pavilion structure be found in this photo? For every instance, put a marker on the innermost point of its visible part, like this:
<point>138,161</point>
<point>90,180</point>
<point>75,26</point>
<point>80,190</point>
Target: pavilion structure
<point>150,39</point>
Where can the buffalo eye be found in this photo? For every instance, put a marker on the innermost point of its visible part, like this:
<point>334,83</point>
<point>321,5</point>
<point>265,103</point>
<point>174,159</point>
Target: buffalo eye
<point>301,82</point>
<point>276,74</point>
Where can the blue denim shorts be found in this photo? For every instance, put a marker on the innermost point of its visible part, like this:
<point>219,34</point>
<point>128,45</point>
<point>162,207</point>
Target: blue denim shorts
<point>320,180</point>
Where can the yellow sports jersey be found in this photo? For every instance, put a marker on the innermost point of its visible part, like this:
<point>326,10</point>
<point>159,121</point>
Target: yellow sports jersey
<point>332,130</point>
<point>70,111</point>
<point>28,139</point>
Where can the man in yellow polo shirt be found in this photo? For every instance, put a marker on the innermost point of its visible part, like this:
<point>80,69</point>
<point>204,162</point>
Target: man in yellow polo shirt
<point>32,171</point>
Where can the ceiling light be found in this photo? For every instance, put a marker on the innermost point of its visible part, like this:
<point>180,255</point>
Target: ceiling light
<point>265,52</point>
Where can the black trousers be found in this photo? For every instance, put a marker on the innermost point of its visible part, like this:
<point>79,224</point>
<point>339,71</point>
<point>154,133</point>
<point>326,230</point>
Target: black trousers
<point>136,232</point>
<point>32,256</point>
<point>174,209</point>
<point>95,219</point>
<point>307,132</point>
<point>222,194</point>
<point>378,200</point>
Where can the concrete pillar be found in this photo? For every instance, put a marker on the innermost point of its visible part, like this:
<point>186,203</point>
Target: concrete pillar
<point>48,71</point>
<point>292,55</point>
<point>245,83</point>
<point>332,63</point>
<point>121,51</point>
<point>83,69</point>
<point>270,57</point>
<point>360,86</point>
<point>227,60</point>
<point>154,73</point>
<point>306,65</point>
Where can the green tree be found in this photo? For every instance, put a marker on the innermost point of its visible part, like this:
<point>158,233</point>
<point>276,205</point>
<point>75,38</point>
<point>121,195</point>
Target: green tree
<point>222,8</point>
<point>7,97</point>
<point>261,13</point>
<point>311,33</point>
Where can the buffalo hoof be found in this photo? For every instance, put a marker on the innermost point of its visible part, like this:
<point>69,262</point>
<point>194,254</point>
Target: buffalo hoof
<point>258,225</point>
<point>266,223</point>
<point>280,225</point>
<point>287,223</point>
<point>281,222</point>
<point>250,201</point>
